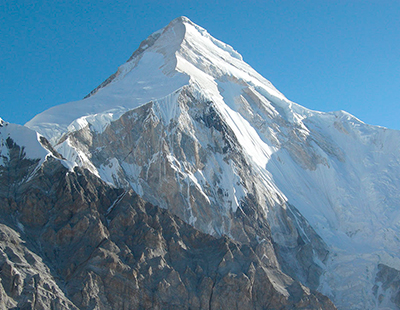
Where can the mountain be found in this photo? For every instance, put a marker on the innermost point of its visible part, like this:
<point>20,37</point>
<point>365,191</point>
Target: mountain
<point>309,197</point>
<point>68,240</point>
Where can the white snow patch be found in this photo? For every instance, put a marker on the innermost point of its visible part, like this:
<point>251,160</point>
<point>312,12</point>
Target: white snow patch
<point>24,137</point>
<point>119,198</point>
<point>21,226</point>
<point>75,157</point>
<point>110,172</point>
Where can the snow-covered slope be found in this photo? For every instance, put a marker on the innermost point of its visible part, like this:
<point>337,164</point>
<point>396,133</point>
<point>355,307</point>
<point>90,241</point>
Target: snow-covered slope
<point>16,134</point>
<point>170,58</point>
<point>190,126</point>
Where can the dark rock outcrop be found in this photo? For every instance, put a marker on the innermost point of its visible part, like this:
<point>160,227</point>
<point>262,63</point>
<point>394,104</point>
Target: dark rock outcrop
<point>68,240</point>
<point>387,288</point>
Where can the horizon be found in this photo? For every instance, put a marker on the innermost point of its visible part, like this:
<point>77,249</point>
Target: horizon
<point>325,57</point>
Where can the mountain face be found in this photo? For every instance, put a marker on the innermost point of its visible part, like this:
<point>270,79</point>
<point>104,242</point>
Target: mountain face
<point>258,199</point>
<point>68,240</point>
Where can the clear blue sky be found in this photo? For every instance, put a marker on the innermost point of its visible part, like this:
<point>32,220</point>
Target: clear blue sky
<point>325,55</point>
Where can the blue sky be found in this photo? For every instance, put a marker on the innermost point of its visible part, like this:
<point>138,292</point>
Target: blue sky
<point>325,55</point>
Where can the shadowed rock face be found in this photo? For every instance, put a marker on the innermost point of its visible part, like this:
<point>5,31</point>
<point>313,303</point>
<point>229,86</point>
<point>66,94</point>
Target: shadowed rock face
<point>159,157</point>
<point>387,288</point>
<point>68,240</point>
<point>26,281</point>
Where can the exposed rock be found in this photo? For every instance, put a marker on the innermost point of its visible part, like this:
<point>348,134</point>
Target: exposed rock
<point>26,282</point>
<point>160,157</point>
<point>83,244</point>
<point>387,288</point>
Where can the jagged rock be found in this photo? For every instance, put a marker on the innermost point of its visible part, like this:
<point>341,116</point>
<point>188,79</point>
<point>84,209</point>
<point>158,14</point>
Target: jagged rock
<point>98,247</point>
<point>26,282</point>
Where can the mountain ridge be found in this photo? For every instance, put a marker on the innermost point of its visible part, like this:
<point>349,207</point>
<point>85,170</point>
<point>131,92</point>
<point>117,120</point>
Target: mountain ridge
<point>169,60</point>
<point>192,128</point>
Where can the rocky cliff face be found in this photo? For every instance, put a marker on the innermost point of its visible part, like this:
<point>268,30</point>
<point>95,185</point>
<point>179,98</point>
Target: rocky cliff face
<point>26,281</point>
<point>193,165</point>
<point>70,241</point>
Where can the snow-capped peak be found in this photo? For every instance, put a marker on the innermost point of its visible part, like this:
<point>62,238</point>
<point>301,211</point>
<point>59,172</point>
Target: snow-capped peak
<point>187,48</point>
<point>180,35</point>
<point>181,53</point>
<point>341,174</point>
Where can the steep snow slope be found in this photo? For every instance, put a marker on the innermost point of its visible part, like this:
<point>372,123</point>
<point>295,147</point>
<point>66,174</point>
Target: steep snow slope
<point>12,133</point>
<point>164,62</point>
<point>185,102</point>
<point>31,146</point>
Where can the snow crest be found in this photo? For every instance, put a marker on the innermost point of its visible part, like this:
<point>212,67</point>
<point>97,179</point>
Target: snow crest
<point>24,137</point>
